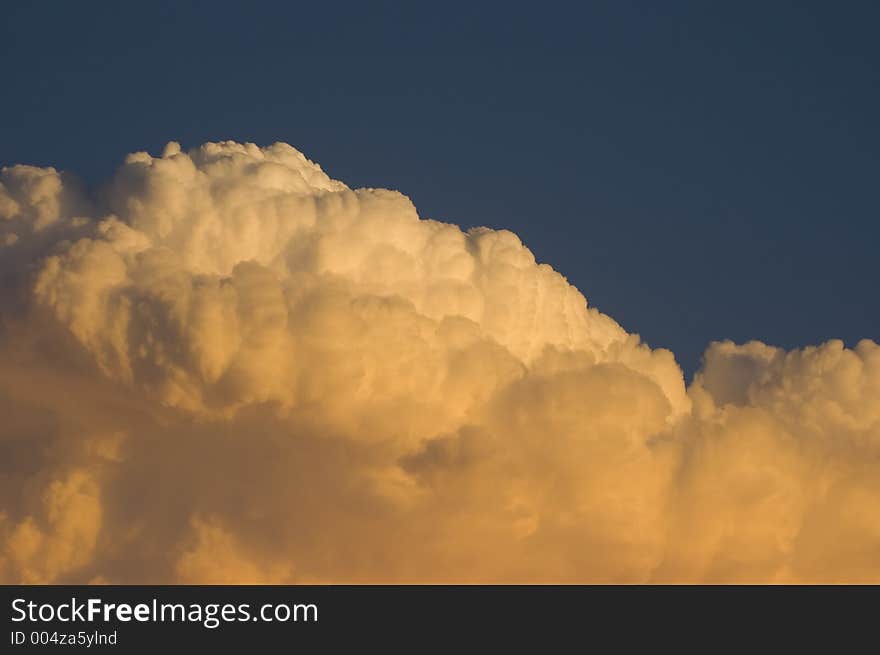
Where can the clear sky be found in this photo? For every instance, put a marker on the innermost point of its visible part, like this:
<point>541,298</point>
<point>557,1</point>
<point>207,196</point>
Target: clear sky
<point>699,172</point>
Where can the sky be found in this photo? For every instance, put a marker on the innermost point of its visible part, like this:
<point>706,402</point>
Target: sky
<point>698,172</point>
<point>412,294</point>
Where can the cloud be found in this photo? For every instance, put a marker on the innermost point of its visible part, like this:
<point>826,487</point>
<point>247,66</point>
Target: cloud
<point>225,366</point>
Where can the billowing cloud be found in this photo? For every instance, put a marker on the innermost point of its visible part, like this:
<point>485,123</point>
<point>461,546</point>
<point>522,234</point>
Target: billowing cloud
<point>225,366</point>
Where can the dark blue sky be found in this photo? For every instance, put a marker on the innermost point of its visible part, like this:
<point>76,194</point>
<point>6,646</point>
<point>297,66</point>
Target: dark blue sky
<point>699,172</point>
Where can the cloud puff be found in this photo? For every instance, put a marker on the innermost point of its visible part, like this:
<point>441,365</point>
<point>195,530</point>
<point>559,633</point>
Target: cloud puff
<point>225,366</point>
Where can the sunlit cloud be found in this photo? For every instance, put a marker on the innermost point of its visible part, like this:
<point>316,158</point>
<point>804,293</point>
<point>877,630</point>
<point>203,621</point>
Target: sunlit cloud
<point>224,366</point>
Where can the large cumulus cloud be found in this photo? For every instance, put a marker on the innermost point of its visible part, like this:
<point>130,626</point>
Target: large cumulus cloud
<point>225,366</point>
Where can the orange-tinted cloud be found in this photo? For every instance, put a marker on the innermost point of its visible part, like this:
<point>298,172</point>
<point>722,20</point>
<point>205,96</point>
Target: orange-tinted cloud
<point>227,367</point>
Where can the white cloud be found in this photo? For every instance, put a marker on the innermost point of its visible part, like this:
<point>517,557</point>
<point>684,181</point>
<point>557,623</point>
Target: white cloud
<point>278,378</point>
